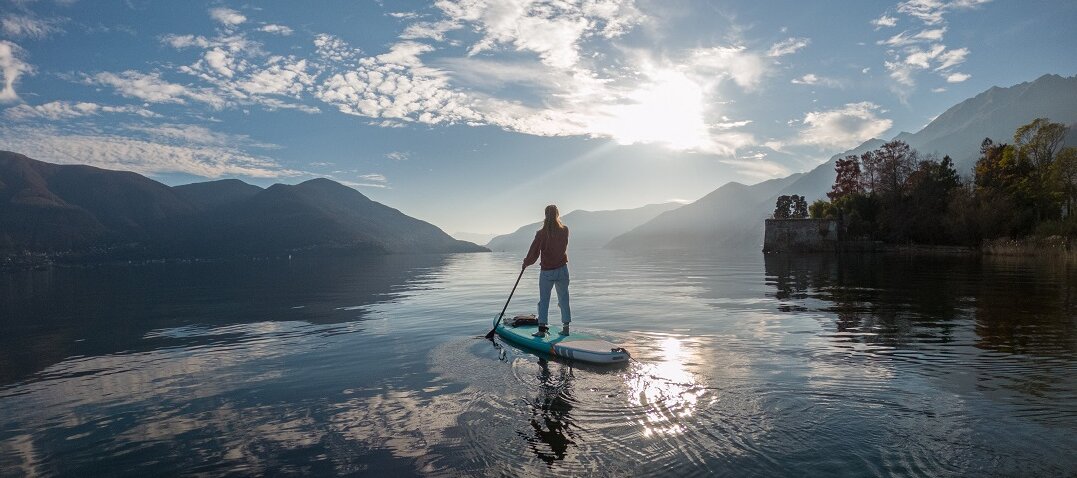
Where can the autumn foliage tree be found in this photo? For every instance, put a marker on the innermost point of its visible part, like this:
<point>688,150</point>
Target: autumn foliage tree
<point>848,180</point>
<point>895,194</point>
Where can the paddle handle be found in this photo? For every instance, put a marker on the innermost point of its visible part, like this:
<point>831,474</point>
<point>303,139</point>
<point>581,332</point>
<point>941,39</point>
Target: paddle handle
<point>506,307</point>
<point>490,335</point>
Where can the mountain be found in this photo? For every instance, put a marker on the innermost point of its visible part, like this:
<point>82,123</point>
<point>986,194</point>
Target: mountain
<point>213,194</point>
<point>48,207</point>
<point>732,215</point>
<point>705,223</point>
<point>588,229</point>
<point>476,237</point>
<point>317,213</point>
<point>995,114</point>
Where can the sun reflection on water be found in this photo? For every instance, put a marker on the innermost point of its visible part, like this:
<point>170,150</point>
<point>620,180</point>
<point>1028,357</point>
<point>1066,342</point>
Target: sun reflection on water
<point>664,390</point>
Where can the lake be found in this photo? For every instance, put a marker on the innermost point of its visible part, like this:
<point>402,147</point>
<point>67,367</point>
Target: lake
<point>743,365</point>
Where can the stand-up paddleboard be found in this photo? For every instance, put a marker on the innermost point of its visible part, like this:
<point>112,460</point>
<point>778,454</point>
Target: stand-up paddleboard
<point>577,346</point>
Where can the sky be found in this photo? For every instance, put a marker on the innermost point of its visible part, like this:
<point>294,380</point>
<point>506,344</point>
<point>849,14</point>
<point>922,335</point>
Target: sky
<point>475,114</point>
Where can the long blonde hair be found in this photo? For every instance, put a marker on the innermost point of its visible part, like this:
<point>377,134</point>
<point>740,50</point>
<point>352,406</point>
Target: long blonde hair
<point>553,219</point>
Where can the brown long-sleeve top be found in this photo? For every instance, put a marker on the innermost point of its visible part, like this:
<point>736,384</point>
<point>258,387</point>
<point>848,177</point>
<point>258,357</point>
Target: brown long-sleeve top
<point>553,247</point>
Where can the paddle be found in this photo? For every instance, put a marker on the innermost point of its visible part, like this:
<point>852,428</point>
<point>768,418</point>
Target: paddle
<point>490,335</point>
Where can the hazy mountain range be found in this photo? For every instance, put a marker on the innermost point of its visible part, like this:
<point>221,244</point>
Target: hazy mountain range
<point>588,229</point>
<point>48,207</point>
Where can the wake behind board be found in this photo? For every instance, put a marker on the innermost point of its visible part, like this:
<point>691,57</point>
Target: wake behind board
<point>578,346</point>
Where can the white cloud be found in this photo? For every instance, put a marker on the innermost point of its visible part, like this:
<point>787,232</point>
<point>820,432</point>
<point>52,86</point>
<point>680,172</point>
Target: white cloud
<point>904,66</point>
<point>726,123</point>
<point>405,53</point>
<point>220,62</point>
<point>375,177</point>
<point>11,68</point>
<point>744,67</point>
<point>906,63</point>
<point>551,30</point>
<point>906,59</point>
<point>195,134</point>
<point>227,16</point>
<point>755,165</point>
<point>241,73</point>
<point>281,76</point>
<point>398,156</point>
<point>59,110</point>
<point>151,88</point>
<point>938,90</point>
<point>397,86</point>
<point>24,26</point>
<point>276,29</point>
<point>144,156</point>
<point>787,46</point>
<point>927,11</point>
<point>431,30</point>
<point>884,21</point>
<point>922,58</point>
<point>334,49</point>
<point>906,38</point>
<point>932,12</point>
<point>186,41</point>
<point>951,58</point>
<point>957,77</point>
<point>843,127</point>
<point>813,79</point>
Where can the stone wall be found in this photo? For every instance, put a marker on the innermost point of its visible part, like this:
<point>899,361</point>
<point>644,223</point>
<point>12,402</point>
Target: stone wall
<point>801,235</point>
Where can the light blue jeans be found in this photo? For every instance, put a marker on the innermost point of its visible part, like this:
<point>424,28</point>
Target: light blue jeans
<point>548,280</point>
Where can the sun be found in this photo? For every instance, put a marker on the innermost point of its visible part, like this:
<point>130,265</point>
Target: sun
<point>667,110</point>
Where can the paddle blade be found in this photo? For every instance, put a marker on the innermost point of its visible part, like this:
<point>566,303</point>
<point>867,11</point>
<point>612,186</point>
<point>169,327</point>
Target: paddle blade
<point>490,334</point>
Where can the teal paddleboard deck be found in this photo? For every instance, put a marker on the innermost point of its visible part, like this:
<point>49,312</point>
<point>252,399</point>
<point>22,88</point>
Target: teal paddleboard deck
<point>577,346</point>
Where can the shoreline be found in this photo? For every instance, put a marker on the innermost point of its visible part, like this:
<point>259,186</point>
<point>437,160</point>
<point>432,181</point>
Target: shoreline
<point>1032,247</point>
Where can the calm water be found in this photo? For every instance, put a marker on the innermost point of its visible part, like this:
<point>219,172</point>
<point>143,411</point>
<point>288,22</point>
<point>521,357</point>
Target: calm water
<point>744,365</point>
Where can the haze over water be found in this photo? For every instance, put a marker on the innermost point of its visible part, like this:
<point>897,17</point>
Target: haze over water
<point>744,365</point>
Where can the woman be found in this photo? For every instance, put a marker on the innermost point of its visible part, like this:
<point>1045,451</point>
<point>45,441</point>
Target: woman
<point>551,242</point>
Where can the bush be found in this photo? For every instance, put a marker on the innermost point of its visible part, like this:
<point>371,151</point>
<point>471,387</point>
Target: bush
<point>821,209</point>
<point>1066,228</point>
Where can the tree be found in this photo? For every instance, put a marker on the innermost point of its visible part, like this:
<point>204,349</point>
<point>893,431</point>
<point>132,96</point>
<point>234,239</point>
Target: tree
<point>1036,144</point>
<point>896,161</point>
<point>848,179</point>
<point>821,209</point>
<point>923,207</point>
<point>1039,141</point>
<point>1064,175</point>
<point>791,207</point>
<point>800,207</point>
<point>869,162</point>
<point>782,207</point>
<point>1005,192</point>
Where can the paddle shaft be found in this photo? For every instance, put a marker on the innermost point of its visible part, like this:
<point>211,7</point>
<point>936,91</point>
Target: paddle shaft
<point>490,335</point>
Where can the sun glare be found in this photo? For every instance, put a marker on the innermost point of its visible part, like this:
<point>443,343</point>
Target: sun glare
<point>668,110</point>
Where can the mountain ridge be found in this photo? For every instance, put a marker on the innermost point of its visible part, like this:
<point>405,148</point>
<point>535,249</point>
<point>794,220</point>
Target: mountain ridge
<point>46,207</point>
<point>588,229</point>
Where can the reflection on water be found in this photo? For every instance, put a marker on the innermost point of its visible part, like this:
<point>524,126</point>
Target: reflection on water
<point>551,414</point>
<point>665,390</point>
<point>743,365</point>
